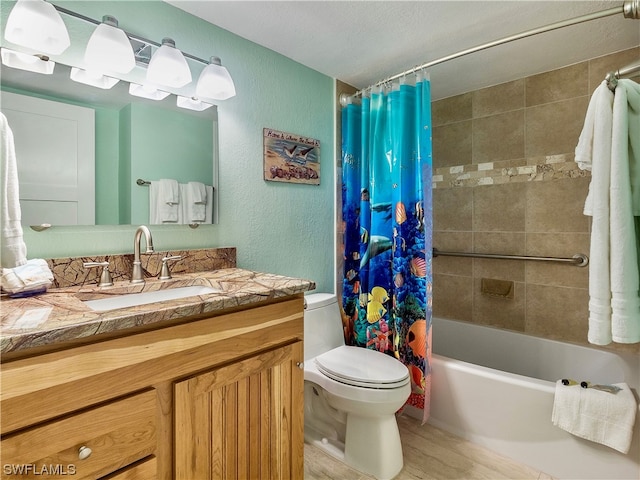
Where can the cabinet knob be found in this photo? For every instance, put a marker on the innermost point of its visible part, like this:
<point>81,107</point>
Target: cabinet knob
<point>84,452</point>
<point>300,365</point>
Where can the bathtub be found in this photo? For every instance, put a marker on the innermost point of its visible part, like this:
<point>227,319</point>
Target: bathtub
<point>496,388</point>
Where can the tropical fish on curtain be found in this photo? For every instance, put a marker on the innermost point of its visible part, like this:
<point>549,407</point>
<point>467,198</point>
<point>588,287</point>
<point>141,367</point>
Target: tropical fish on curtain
<point>386,208</point>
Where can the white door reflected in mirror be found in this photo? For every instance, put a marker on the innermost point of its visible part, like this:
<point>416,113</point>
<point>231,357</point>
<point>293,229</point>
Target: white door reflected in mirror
<point>55,148</point>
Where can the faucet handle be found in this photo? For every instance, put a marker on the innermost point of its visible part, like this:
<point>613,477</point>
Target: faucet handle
<point>105,275</point>
<point>165,274</point>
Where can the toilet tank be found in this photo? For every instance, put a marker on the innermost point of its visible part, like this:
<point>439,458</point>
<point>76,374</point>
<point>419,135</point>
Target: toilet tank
<point>322,324</point>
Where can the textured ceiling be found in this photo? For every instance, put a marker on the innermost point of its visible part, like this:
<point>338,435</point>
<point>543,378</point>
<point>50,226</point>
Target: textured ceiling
<point>362,42</point>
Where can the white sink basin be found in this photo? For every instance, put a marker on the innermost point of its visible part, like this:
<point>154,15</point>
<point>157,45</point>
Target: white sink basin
<point>134,299</point>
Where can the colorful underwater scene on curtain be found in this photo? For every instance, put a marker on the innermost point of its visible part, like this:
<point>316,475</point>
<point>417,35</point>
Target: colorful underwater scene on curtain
<point>387,221</point>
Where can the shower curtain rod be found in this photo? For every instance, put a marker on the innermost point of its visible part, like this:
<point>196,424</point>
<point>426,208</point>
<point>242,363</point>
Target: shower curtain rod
<point>630,9</point>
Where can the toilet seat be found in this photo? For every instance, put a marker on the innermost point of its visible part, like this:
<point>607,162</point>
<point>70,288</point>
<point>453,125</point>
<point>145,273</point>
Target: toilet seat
<point>363,368</point>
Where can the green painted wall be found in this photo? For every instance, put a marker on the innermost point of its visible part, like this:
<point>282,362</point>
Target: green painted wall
<point>277,227</point>
<point>107,159</point>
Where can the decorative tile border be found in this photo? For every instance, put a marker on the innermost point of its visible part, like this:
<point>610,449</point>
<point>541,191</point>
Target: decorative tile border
<point>520,170</point>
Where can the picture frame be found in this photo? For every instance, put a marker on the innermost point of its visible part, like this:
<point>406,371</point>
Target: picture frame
<point>290,158</point>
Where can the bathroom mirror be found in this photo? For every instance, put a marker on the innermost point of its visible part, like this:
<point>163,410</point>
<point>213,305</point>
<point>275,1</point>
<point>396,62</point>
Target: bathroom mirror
<point>163,140</point>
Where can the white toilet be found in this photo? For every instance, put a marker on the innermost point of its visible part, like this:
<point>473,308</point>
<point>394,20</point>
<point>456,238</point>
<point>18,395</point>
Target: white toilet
<point>351,394</point>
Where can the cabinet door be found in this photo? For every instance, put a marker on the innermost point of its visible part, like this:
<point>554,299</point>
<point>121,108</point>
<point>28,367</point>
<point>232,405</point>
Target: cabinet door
<point>244,420</point>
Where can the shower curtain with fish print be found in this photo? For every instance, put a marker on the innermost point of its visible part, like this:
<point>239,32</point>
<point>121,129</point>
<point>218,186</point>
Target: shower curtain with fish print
<point>387,221</point>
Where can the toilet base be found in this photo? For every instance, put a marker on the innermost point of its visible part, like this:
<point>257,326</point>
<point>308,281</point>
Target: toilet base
<point>371,447</point>
<point>374,447</point>
<point>329,445</point>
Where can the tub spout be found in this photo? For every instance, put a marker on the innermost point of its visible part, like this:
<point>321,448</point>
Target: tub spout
<point>136,275</point>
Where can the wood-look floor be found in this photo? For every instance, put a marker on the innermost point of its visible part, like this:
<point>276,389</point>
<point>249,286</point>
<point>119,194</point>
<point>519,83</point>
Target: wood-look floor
<point>429,453</point>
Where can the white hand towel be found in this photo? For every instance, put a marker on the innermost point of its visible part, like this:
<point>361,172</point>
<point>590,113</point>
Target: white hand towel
<point>169,191</point>
<point>625,277</point>
<point>169,196</point>
<point>196,202</point>
<point>594,150</point>
<point>189,212</point>
<point>13,251</point>
<point>595,415</point>
<point>33,275</point>
<point>198,192</point>
<point>164,200</point>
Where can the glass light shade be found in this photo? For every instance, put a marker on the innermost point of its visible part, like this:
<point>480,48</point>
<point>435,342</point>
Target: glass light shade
<point>215,82</point>
<point>145,91</point>
<point>37,25</point>
<point>95,79</point>
<point>168,66</point>
<point>192,103</point>
<point>109,49</point>
<point>23,61</point>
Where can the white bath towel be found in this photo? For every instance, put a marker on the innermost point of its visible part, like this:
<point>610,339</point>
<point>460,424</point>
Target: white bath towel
<point>13,251</point>
<point>633,102</point>
<point>196,202</point>
<point>33,275</point>
<point>625,277</point>
<point>584,149</point>
<point>594,151</point>
<point>596,415</point>
<point>164,202</point>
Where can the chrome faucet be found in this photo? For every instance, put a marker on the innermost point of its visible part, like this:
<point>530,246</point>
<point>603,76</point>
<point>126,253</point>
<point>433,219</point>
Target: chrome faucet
<point>136,275</point>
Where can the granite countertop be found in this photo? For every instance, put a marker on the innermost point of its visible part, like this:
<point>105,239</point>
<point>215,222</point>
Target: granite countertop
<point>60,316</point>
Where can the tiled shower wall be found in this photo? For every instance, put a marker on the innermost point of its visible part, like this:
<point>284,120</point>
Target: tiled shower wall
<point>505,182</point>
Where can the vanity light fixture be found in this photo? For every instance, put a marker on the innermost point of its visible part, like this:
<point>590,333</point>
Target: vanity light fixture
<point>192,103</point>
<point>35,24</point>
<point>215,82</point>
<point>24,61</point>
<point>168,66</point>
<point>93,78</point>
<point>109,48</point>
<point>147,91</point>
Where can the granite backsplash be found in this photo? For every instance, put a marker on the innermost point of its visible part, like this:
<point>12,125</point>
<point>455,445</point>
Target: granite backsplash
<point>70,272</point>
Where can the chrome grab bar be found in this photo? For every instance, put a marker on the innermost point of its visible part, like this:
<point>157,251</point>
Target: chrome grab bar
<point>578,260</point>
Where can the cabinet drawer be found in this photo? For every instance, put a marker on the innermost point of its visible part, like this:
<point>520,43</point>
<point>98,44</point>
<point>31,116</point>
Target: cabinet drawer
<point>113,435</point>
<point>144,470</point>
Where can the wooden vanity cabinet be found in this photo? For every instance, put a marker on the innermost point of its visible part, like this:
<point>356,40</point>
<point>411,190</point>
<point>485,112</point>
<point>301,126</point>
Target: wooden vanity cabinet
<point>213,398</point>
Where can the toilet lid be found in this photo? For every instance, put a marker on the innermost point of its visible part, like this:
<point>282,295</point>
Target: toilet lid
<point>362,367</point>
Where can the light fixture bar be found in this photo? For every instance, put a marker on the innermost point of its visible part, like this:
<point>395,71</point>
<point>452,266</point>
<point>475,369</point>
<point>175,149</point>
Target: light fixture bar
<point>133,36</point>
